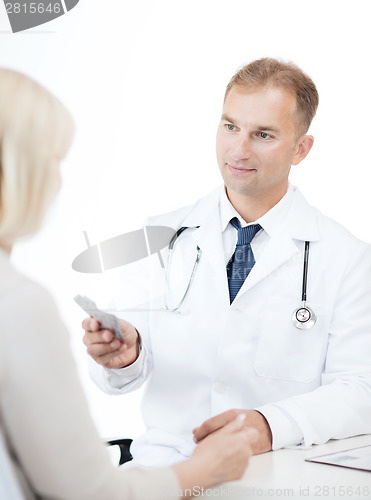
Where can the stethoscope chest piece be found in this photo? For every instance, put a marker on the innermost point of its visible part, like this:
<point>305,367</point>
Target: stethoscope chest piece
<point>304,318</point>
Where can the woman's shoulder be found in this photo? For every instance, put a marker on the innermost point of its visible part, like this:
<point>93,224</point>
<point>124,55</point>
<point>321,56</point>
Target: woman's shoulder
<point>20,293</point>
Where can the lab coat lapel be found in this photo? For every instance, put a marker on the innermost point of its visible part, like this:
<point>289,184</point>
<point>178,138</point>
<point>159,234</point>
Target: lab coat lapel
<point>300,224</point>
<point>208,237</point>
<point>279,249</point>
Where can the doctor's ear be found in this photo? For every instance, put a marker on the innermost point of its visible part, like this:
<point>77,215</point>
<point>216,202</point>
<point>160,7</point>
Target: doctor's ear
<point>302,148</point>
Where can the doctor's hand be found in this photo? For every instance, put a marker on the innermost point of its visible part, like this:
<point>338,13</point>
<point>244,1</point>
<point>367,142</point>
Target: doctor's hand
<point>253,419</point>
<point>220,457</point>
<point>107,350</point>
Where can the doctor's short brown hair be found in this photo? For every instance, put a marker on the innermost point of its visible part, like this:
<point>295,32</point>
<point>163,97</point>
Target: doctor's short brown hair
<point>268,72</point>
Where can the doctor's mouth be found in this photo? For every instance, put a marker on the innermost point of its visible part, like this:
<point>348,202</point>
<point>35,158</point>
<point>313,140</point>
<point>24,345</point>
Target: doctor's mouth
<point>239,170</point>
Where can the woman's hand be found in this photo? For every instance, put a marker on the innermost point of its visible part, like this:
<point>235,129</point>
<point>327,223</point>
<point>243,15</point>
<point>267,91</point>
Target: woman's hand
<point>222,456</point>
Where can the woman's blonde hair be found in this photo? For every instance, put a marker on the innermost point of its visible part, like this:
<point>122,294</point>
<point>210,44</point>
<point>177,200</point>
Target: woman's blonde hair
<point>35,134</point>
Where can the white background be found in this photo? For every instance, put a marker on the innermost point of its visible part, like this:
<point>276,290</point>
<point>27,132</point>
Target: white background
<point>144,81</point>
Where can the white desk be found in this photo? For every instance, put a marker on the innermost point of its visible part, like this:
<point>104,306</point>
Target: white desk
<point>285,474</point>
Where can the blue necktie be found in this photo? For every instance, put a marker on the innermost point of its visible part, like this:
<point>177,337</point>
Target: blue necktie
<point>242,261</point>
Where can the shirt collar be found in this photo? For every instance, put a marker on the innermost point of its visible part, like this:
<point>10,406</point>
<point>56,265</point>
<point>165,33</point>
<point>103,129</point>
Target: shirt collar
<point>269,221</point>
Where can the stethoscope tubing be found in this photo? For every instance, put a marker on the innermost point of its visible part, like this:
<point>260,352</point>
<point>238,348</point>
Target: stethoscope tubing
<point>305,272</point>
<point>179,305</point>
<point>303,317</point>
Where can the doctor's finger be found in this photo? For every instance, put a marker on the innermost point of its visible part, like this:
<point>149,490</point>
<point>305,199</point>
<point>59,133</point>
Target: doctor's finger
<point>237,425</point>
<point>217,422</point>
<point>101,349</point>
<point>90,325</point>
<point>113,359</point>
<point>213,424</point>
<point>99,337</point>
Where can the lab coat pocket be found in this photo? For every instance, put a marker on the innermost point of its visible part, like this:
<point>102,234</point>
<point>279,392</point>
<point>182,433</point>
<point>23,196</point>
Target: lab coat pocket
<point>284,352</point>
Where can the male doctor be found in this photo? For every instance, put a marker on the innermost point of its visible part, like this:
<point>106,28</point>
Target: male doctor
<point>237,345</point>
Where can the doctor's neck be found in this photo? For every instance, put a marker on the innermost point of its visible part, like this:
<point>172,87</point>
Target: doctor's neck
<point>251,206</point>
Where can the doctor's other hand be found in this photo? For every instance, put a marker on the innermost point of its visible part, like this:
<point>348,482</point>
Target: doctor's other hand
<point>222,456</point>
<point>253,419</point>
<point>107,350</point>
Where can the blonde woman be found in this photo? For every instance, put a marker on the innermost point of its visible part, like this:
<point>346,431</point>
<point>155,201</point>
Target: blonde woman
<point>46,431</point>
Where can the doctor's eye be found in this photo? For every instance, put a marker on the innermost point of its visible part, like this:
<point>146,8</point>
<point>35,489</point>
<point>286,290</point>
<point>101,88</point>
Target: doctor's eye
<point>264,135</point>
<point>230,128</point>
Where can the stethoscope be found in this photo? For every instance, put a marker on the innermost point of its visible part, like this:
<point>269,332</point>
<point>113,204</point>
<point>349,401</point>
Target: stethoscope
<point>167,274</point>
<point>167,307</point>
<point>303,318</point>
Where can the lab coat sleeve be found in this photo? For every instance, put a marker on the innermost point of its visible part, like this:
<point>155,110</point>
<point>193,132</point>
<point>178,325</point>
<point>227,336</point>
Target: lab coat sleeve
<point>341,406</point>
<point>285,431</point>
<point>123,380</point>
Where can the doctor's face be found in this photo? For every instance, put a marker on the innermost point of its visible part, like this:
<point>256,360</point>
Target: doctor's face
<point>257,143</point>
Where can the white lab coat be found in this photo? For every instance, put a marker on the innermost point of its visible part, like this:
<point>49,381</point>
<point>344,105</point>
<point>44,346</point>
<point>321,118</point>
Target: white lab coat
<point>218,356</point>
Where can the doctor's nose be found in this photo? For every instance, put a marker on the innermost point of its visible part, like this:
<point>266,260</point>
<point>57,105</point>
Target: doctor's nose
<point>241,149</point>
